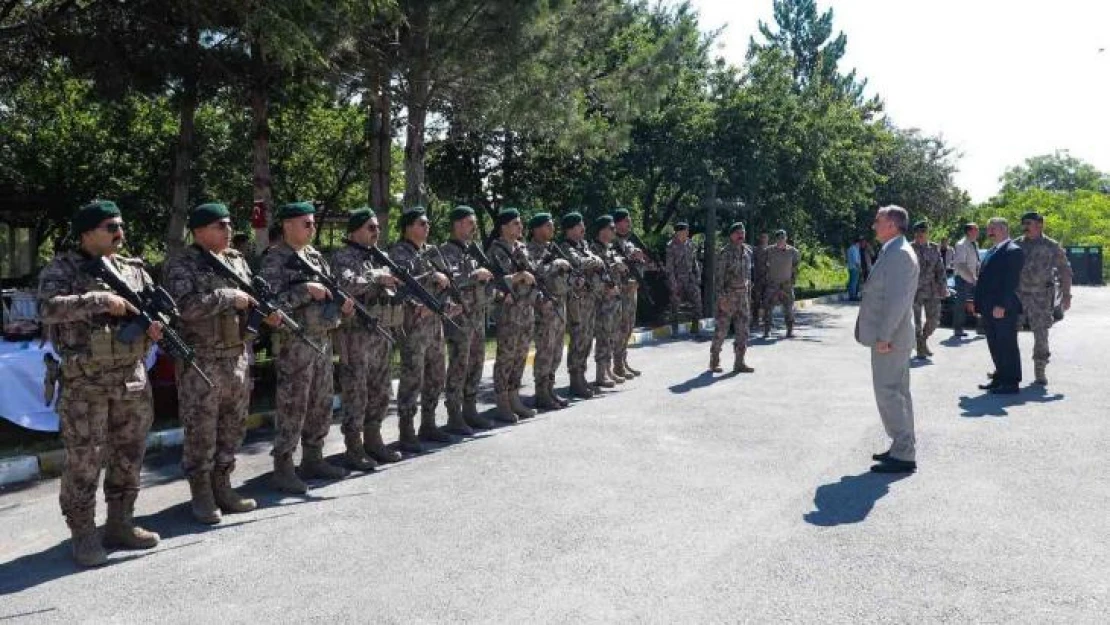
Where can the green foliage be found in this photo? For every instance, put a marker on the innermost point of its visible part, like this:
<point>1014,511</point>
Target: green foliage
<point>820,272</point>
<point>1059,171</point>
<point>1071,217</point>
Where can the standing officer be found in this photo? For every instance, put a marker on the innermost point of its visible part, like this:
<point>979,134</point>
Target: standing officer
<point>104,401</point>
<point>211,309</point>
<point>466,350</point>
<point>759,277</point>
<point>514,318</point>
<point>733,282</point>
<point>363,352</point>
<point>683,272</point>
<point>581,306</point>
<point>608,302</point>
<point>421,343</point>
<point>1045,261</point>
<point>932,287</point>
<point>782,273</point>
<point>305,386</point>
<point>631,255</point>
<point>550,326</point>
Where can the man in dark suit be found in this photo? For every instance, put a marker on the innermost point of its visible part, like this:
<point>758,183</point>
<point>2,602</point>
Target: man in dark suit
<point>996,301</point>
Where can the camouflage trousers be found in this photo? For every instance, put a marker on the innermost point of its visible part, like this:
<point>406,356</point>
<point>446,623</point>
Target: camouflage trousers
<point>930,306</point>
<point>757,301</point>
<point>774,294</point>
<point>626,323</point>
<point>514,333</point>
<point>305,388</point>
<point>363,374</point>
<point>548,334</point>
<point>686,291</point>
<point>466,355</point>
<point>101,424</point>
<point>214,418</point>
<point>606,321</point>
<point>422,367</point>
<point>1037,308</point>
<point>733,309</point>
<point>581,310</point>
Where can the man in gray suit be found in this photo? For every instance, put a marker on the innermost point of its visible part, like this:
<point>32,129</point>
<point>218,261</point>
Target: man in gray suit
<point>885,324</point>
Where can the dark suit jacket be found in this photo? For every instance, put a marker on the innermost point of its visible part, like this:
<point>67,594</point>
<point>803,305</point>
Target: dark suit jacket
<point>999,276</point>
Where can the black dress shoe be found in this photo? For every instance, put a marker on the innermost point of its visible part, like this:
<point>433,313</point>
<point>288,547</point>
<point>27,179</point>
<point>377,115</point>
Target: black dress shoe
<point>893,465</point>
<point>1005,390</point>
<point>883,457</point>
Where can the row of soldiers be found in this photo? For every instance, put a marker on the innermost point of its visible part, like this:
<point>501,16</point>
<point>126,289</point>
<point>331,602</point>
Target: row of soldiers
<point>428,301</point>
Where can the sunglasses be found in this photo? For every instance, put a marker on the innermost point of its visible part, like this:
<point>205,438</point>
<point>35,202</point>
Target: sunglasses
<point>113,227</point>
<point>222,225</point>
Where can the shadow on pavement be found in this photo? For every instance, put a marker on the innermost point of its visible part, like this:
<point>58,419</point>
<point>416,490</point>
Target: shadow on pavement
<point>988,405</point>
<point>851,499</point>
<point>702,380</point>
<point>967,339</point>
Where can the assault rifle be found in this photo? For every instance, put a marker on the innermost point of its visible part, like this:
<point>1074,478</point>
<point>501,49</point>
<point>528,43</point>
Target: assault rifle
<point>413,289</point>
<point>502,278</point>
<point>154,304</point>
<point>339,297</point>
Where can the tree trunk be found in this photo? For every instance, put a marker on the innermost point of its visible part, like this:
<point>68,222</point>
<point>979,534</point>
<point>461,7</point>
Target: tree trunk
<point>420,87</point>
<point>380,151</point>
<point>183,155</point>
<point>509,196</point>
<point>260,136</point>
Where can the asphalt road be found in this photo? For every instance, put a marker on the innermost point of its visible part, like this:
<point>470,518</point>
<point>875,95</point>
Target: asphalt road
<point>678,497</point>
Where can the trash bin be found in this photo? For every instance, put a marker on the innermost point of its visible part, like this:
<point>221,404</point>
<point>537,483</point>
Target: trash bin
<point>1086,264</point>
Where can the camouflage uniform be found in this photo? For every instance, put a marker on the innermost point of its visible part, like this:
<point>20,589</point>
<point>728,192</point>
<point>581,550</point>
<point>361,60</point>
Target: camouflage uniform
<point>683,275</point>
<point>363,371</point>
<point>930,281</point>
<point>1045,261</point>
<point>781,272</point>
<point>466,350</point>
<point>607,317</point>
<point>514,320</point>
<point>421,345</point>
<point>305,387</point>
<point>759,280</point>
<point>626,249</point>
<point>581,310</point>
<point>549,328</point>
<point>732,283</point>
<point>105,398</point>
<point>214,418</point>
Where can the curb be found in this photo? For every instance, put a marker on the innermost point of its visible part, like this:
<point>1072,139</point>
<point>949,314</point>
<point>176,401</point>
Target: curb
<point>19,469</point>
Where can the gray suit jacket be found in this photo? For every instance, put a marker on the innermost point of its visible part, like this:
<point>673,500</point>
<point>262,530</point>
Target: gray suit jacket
<point>886,312</point>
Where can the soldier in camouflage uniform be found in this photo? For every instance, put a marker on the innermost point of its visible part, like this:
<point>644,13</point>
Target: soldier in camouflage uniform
<point>586,281</point>
<point>1045,262</point>
<point>364,352</point>
<point>608,312</point>
<point>466,350</point>
<point>733,283</point>
<point>932,287</point>
<point>683,272</point>
<point>631,255</point>
<point>514,316</point>
<point>104,402</point>
<point>421,343</point>
<point>550,328</point>
<point>304,378</point>
<point>782,262</point>
<point>212,310</point>
<point>759,277</point>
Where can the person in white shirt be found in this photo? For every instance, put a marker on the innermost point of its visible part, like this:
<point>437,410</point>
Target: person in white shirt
<point>966,266</point>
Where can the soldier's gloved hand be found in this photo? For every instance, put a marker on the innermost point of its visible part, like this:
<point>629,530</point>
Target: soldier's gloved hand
<point>117,306</point>
<point>440,280</point>
<point>348,308</point>
<point>561,265</point>
<point>483,275</point>
<point>243,301</point>
<point>317,291</point>
<point>155,331</point>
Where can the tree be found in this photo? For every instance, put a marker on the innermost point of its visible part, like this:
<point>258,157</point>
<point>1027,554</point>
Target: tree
<point>1059,171</point>
<point>917,173</point>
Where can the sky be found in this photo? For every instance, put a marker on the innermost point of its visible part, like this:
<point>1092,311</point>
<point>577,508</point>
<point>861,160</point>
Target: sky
<point>1000,80</point>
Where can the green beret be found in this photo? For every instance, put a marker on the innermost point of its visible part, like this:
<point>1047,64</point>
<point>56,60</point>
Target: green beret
<point>680,226</point>
<point>295,209</point>
<point>358,218</point>
<point>539,219</point>
<point>571,220</point>
<point>460,212</point>
<point>780,234</point>
<point>506,215</point>
<point>603,222</point>
<point>410,216</point>
<point>90,215</point>
<point>921,226</point>
<point>739,225</point>
<point>621,214</point>
<point>1033,216</point>
<point>206,214</point>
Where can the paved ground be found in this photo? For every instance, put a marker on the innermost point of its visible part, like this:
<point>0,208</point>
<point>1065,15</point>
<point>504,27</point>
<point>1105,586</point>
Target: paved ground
<point>680,497</point>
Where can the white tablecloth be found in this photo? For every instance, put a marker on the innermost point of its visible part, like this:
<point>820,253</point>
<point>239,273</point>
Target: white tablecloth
<point>21,378</point>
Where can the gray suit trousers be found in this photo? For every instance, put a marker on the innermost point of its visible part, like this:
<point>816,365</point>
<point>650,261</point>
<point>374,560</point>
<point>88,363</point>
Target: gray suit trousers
<point>891,376</point>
